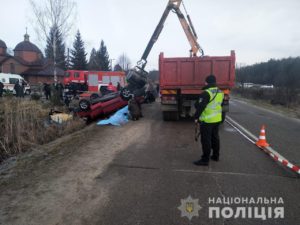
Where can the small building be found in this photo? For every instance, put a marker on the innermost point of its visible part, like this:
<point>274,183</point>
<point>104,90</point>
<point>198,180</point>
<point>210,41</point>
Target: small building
<point>29,62</point>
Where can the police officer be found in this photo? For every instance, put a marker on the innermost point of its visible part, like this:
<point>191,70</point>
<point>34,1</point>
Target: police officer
<point>209,115</point>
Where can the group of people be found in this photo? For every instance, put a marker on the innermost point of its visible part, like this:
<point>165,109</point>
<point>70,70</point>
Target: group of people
<point>48,89</point>
<point>19,89</point>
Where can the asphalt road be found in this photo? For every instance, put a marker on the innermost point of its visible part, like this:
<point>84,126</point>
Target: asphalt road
<point>155,173</point>
<point>141,172</point>
<point>282,133</point>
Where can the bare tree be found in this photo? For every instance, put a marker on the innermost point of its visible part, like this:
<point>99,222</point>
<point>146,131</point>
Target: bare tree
<point>124,62</point>
<point>53,14</point>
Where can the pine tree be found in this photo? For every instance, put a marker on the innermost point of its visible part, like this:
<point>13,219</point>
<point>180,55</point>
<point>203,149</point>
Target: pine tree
<point>93,62</point>
<point>78,54</point>
<point>103,57</point>
<point>55,39</point>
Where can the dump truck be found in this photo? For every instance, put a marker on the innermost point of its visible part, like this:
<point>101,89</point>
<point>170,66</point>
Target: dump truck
<point>182,80</point>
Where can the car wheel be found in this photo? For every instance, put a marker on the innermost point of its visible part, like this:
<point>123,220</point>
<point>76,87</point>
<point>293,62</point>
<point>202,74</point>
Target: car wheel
<point>84,104</point>
<point>125,93</point>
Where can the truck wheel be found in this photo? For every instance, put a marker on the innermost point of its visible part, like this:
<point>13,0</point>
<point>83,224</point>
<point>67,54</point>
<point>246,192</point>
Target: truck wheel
<point>84,104</point>
<point>175,116</point>
<point>170,116</point>
<point>166,116</point>
<point>27,92</point>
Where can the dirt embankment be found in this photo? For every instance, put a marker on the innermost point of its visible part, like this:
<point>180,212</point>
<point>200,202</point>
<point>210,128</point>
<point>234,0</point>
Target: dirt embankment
<point>57,184</point>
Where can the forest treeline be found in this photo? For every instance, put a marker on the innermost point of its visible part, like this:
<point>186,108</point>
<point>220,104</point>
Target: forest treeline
<point>280,73</point>
<point>283,74</point>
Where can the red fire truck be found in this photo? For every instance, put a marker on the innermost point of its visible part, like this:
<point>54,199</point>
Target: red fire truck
<point>93,80</point>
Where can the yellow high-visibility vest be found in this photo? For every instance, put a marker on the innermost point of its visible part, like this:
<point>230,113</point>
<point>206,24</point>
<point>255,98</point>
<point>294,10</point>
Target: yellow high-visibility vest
<point>213,111</point>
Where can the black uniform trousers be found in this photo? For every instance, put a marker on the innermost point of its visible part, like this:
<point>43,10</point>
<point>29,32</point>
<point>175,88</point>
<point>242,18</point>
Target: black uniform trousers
<point>210,140</point>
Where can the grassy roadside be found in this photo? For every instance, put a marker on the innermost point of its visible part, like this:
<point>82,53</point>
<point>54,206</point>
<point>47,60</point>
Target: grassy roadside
<point>25,124</point>
<point>285,111</point>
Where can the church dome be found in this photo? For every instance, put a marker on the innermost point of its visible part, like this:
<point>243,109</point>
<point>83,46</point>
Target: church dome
<point>27,46</point>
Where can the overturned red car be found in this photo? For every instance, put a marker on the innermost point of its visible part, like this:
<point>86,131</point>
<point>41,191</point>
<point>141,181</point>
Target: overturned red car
<point>93,105</point>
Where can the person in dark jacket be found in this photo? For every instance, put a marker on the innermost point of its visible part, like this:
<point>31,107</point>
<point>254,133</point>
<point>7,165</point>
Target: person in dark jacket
<point>22,89</point>
<point>17,89</point>
<point>60,89</point>
<point>1,89</point>
<point>119,86</point>
<point>209,116</point>
<point>47,91</point>
<point>134,108</point>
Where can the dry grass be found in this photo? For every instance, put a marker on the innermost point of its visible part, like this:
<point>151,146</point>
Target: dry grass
<point>24,124</point>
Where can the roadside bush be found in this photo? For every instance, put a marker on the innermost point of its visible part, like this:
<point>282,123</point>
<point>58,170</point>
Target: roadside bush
<point>8,94</point>
<point>35,96</point>
<point>24,124</point>
<point>277,96</point>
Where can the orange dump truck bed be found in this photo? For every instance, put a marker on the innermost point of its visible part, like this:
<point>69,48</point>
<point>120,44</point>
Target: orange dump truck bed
<point>182,78</point>
<point>190,72</point>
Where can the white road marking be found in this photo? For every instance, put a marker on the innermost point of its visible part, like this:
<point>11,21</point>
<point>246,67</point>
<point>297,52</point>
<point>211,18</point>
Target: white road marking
<point>246,133</point>
<point>270,151</point>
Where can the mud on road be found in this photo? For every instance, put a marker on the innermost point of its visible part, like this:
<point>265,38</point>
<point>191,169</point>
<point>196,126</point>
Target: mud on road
<point>57,183</point>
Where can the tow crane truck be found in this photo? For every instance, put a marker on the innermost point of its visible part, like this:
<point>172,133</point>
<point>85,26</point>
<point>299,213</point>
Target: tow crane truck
<point>182,78</point>
<point>137,77</point>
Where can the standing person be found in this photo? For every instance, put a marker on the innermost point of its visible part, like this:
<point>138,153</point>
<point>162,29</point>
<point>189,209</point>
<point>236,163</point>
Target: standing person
<point>22,89</point>
<point>17,88</point>
<point>47,91</point>
<point>134,109</point>
<point>1,89</point>
<point>119,86</point>
<point>111,88</point>
<point>60,89</point>
<point>209,115</point>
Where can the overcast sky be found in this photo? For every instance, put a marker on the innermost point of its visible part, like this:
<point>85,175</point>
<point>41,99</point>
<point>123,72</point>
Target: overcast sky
<point>256,29</point>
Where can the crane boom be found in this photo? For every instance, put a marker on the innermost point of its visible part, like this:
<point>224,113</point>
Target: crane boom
<point>137,77</point>
<point>187,27</point>
<point>189,32</point>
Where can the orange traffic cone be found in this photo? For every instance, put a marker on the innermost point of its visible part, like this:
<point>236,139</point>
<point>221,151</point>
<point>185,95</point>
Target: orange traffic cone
<point>262,142</point>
